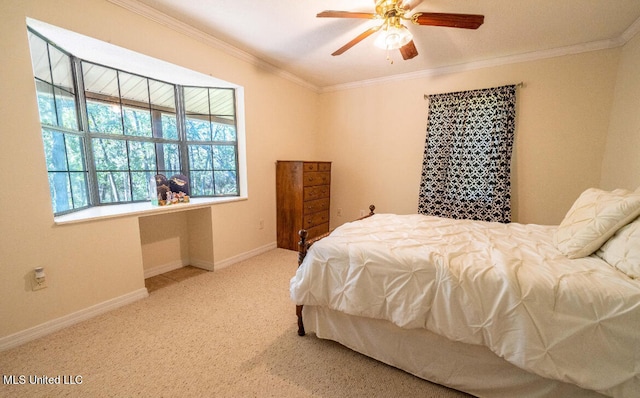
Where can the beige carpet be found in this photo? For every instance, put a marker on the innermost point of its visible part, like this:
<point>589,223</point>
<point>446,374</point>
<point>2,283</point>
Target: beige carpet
<point>228,333</point>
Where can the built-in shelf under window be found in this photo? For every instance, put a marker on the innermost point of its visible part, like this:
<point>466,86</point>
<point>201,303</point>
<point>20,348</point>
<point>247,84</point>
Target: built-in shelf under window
<point>138,209</point>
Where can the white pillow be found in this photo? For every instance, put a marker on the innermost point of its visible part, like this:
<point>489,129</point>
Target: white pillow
<point>594,217</point>
<point>622,250</point>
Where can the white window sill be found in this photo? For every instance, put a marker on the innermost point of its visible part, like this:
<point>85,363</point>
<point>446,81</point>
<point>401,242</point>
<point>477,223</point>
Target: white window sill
<point>138,209</point>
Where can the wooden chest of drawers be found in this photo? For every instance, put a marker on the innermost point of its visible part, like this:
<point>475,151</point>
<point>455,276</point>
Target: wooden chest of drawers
<point>302,199</point>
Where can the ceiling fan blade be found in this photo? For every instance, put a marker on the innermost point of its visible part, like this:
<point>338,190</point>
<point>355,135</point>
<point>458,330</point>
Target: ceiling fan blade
<point>345,14</point>
<point>408,5</point>
<point>357,40</point>
<point>408,51</point>
<point>465,21</point>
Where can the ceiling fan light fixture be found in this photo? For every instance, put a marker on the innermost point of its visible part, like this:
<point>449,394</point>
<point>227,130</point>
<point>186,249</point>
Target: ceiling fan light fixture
<point>392,34</point>
<point>393,37</point>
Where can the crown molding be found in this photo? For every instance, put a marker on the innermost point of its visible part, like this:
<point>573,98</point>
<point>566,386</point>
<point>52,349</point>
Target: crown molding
<point>630,33</point>
<point>188,30</point>
<point>619,41</point>
<point>492,62</point>
<point>181,27</point>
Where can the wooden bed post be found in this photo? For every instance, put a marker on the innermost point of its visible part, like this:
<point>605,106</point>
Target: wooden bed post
<point>303,246</point>
<point>302,251</point>
<point>371,211</point>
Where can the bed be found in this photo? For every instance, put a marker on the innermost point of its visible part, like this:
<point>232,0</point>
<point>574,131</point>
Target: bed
<point>492,309</point>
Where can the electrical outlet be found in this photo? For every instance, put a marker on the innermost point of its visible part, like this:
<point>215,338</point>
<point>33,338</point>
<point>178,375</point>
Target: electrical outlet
<point>38,283</point>
<point>339,212</point>
<point>38,279</point>
<point>261,224</point>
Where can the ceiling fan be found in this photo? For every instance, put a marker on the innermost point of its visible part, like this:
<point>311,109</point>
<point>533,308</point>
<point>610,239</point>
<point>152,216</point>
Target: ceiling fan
<point>394,34</point>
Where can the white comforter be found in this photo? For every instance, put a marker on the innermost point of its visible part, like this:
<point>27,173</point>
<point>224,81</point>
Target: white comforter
<point>504,286</point>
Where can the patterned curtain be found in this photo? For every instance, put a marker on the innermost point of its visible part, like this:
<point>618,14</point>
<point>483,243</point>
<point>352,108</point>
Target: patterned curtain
<point>467,158</point>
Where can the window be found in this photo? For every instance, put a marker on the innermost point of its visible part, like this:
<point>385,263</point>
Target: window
<point>211,137</point>
<point>108,132</point>
<point>64,143</point>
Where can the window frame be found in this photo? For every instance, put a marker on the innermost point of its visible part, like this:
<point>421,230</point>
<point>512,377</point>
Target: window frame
<point>82,101</point>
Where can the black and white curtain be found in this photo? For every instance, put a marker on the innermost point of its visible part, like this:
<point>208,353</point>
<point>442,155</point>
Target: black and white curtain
<point>467,158</point>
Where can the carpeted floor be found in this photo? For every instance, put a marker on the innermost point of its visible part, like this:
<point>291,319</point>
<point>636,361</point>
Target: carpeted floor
<point>228,333</point>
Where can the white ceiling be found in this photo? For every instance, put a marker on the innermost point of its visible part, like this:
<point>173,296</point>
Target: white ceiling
<point>287,34</point>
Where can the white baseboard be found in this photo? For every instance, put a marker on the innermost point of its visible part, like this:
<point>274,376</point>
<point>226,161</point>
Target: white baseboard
<point>208,265</point>
<point>16,339</point>
<point>24,336</point>
<point>245,256</point>
<point>161,269</point>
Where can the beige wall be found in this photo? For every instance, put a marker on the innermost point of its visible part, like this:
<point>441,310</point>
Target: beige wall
<point>91,263</point>
<point>621,166</point>
<point>375,135</point>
